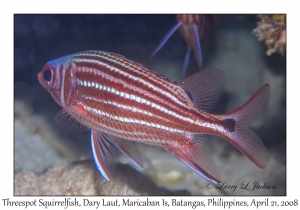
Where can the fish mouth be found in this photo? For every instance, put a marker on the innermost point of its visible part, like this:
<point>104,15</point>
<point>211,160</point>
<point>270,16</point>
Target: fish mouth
<point>40,77</point>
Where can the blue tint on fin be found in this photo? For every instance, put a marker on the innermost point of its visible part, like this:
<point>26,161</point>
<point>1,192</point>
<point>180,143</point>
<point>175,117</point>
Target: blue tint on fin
<point>186,61</point>
<point>198,51</point>
<point>99,167</point>
<point>105,153</point>
<point>200,173</point>
<point>196,170</point>
<point>165,39</point>
<point>133,161</point>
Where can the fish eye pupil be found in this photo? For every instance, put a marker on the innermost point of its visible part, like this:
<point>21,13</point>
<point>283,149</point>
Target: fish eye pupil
<point>47,75</point>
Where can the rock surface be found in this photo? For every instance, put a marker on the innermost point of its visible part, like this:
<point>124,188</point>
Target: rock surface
<point>82,178</point>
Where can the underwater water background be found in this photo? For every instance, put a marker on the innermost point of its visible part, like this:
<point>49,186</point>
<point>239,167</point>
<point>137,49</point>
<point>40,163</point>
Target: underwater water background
<point>229,45</point>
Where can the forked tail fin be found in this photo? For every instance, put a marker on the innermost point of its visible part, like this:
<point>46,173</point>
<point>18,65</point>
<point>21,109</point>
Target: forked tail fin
<point>243,137</point>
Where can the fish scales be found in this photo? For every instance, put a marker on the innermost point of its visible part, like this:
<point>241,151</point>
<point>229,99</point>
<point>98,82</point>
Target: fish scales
<point>122,101</point>
<point>140,121</point>
<point>135,72</point>
<point>135,96</point>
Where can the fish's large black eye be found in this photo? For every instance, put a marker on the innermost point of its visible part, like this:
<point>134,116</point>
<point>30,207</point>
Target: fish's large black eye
<point>47,75</point>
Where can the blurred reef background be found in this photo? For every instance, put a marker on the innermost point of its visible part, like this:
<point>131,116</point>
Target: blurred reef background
<point>49,160</point>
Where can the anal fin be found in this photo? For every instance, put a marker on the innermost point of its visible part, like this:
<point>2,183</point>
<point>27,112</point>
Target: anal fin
<point>198,157</point>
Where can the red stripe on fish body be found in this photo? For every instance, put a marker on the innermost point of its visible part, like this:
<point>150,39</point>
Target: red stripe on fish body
<point>132,98</point>
<point>118,98</point>
<point>124,96</point>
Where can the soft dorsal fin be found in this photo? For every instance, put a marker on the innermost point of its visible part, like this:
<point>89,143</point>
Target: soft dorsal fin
<point>205,88</point>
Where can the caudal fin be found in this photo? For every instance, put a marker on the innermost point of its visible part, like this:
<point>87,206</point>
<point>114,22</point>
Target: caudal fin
<point>237,122</point>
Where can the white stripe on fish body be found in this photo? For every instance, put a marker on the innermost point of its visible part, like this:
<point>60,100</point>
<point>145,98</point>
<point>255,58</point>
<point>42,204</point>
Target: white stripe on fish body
<point>142,101</point>
<point>134,109</point>
<point>140,71</point>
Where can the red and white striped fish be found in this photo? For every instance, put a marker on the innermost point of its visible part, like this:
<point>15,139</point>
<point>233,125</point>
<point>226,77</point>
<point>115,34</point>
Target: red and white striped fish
<point>122,101</point>
<point>192,28</point>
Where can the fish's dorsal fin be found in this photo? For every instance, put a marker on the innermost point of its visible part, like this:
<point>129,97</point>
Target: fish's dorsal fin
<point>205,88</point>
<point>65,118</point>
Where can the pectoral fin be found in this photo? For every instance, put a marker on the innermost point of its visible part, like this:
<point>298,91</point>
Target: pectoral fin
<point>68,117</point>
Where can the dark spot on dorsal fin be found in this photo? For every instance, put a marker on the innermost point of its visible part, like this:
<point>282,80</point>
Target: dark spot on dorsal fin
<point>229,125</point>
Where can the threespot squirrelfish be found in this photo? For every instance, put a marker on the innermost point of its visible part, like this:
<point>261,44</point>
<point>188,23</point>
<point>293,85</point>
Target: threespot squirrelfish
<point>122,102</point>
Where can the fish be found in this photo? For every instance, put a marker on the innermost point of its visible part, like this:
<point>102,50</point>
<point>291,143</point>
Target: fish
<point>122,102</point>
<point>192,28</point>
